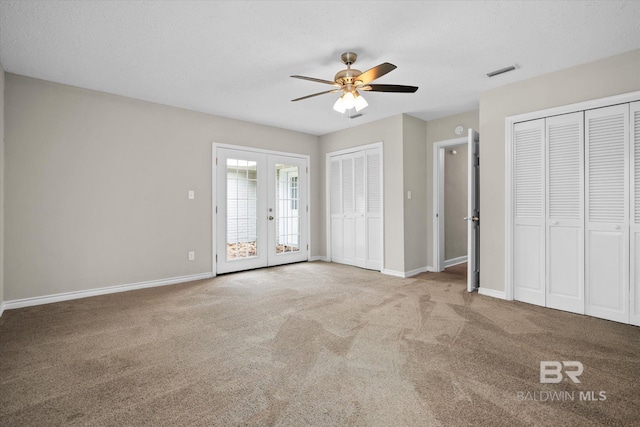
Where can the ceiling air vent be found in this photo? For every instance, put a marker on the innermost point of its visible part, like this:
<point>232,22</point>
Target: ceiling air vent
<point>356,116</point>
<point>501,71</point>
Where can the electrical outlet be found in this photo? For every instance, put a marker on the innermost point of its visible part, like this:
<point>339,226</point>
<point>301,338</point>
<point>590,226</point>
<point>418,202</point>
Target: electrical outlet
<point>192,255</point>
<point>191,194</point>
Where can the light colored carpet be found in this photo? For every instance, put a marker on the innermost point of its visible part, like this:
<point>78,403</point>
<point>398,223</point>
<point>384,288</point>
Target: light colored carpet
<point>309,344</point>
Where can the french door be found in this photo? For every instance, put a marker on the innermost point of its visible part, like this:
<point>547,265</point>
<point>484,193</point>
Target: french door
<point>261,210</point>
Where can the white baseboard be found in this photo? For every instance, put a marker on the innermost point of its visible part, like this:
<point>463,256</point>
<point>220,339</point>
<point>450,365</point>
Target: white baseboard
<point>492,293</point>
<point>47,299</point>
<point>1,308</point>
<point>406,274</point>
<point>455,261</point>
<point>393,273</point>
<point>432,269</point>
<point>412,273</point>
<point>319,258</point>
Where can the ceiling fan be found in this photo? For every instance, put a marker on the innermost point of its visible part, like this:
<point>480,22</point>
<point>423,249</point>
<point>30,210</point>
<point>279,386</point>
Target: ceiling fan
<point>350,81</point>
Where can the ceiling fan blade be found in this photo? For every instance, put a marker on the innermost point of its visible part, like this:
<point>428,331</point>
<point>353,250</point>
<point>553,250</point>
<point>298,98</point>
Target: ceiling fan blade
<point>316,94</point>
<point>313,79</point>
<point>390,88</point>
<point>375,72</point>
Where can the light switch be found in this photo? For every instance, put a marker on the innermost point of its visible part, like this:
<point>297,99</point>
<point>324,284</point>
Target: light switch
<point>192,194</point>
<point>409,194</point>
<point>192,255</point>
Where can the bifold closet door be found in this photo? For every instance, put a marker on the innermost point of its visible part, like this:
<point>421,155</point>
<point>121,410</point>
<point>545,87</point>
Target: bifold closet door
<point>348,240</point>
<point>335,201</point>
<point>356,208</point>
<point>529,222</point>
<point>373,204</point>
<point>607,180</point>
<point>565,206</point>
<point>635,214</point>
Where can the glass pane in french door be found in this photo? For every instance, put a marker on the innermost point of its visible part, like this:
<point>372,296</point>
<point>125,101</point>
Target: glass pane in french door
<point>242,213</point>
<point>288,207</point>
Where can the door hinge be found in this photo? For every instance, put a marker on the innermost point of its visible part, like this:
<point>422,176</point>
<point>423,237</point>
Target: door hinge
<point>216,209</point>
<point>216,160</point>
<point>307,247</point>
<point>307,169</point>
<point>307,208</point>
<point>216,258</point>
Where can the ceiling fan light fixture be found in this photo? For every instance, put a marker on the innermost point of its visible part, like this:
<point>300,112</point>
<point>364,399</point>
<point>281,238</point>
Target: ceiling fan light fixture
<point>360,102</point>
<point>339,106</point>
<point>349,100</point>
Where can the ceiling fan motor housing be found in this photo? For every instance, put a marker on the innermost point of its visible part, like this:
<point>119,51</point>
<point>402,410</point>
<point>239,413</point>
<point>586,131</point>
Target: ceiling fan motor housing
<point>347,77</point>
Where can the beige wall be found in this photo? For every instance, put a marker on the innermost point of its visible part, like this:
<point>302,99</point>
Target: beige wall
<point>1,187</point>
<point>96,187</point>
<point>455,202</point>
<point>414,133</point>
<point>441,130</point>
<point>611,76</point>
<point>388,131</point>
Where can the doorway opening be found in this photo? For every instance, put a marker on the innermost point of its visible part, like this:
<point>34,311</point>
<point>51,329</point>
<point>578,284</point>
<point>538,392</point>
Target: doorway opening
<point>450,206</point>
<point>456,207</point>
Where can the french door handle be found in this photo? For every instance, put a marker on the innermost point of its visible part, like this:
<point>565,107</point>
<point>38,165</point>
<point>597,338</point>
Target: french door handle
<point>270,218</point>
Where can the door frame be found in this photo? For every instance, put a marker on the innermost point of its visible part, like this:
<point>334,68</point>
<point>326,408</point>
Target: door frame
<point>214,149</point>
<point>328,156</point>
<point>438,198</point>
<point>509,188</point>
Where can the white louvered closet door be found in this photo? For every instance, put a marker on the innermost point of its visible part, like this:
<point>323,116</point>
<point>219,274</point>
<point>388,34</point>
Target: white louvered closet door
<point>348,214</point>
<point>529,230</point>
<point>337,229</point>
<point>635,214</point>
<point>565,206</point>
<point>359,209</point>
<point>374,208</point>
<point>356,208</point>
<point>607,211</point>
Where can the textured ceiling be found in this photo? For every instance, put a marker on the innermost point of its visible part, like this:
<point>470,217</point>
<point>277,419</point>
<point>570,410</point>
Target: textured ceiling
<point>234,59</point>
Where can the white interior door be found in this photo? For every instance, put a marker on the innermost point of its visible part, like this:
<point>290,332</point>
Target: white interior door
<point>261,210</point>
<point>473,212</point>
<point>529,221</point>
<point>607,222</point>
<point>635,214</point>
<point>564,207</point>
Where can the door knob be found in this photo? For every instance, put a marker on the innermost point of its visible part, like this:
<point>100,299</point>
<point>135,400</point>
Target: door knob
<point>475,218</point>
<point>270,218</point>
